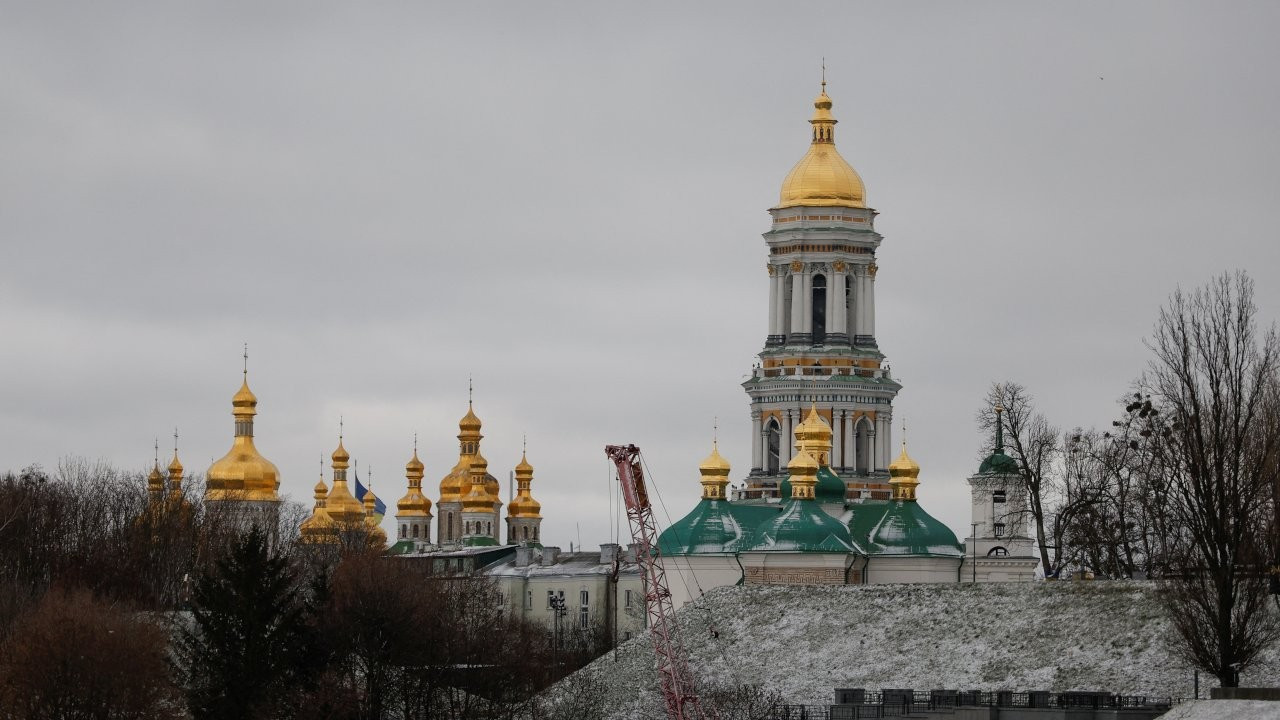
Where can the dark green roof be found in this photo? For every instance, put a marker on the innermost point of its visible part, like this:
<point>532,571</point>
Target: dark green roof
<point>830,488</point>
<point>479,540</point>
<point>997,463</point>
<point>401,548</point>
<point>901,527</point>
<point>712,527</point>
<point>802,527</point>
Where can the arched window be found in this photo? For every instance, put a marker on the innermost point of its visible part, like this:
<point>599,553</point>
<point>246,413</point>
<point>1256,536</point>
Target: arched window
<point>818,301</point>
<point>415,530</point>
<point>526,532</point>
<point>998,552</point>
<point>849,307</point>
<point>449,525</point>
<point>786,328</point>
<point>862,445</point>
<point>773,441</point>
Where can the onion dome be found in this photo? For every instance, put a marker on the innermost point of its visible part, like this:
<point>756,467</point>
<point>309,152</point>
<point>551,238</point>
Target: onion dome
<point>998,463</point>
<point>243,473</point>
<point>904,476</point>
<point>478,500</point>
<point>377,536</point>
<point>822,178</point>
<point>523,505</point>
<point>175,468</point>
<point>813,436</point>
<point>803,474</point>
<point>886,527</point>
<point>414,503</point>
<point>155,482</point>
<point>715,474</point>
<point>469,425</point>
<point>341,505</point>
<point>802,526</point>
<point>319,527</point>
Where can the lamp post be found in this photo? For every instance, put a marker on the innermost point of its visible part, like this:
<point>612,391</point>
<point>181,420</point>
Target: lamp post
<point>974,535</point>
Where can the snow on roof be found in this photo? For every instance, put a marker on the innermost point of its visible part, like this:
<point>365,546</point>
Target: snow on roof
<point>1225,710</point>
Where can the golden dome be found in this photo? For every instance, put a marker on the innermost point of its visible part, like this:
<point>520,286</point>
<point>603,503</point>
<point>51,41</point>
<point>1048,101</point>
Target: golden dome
<point>813,435</point>
<point>803,471</point>
<point>175,467</point>
<point>155,481</point>
<point>451,484</point>
<point>341,456</point>
<point>478,500</point>
<point>243,473</point>
<point>715,474</point>
<point>903,475</point>
<point>321,490</point>
<point>822,178</point>
<point>803,463</point>
<point>469,425</point>
<point>523,505</point>
<point>319,527</point>
<point>341,505</point>
<point>414,503</point>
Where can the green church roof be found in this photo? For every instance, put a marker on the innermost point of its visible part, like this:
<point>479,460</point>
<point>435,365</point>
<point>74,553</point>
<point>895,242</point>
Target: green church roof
<point>901,527</point>
<point>712,527</point>
<point>830,488</point>
<point>803,527</point>
<point>997,463</point>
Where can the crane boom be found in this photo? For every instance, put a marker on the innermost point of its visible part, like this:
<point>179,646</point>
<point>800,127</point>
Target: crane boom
<point>673,665</point>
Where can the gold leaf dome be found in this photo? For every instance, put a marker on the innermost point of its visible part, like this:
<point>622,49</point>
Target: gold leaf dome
<point>478,500</point>
<point>523,505</point>
<point>469,424</point>
<point>414,503</point>
<point>813,436</point>
<point>243,473</point>
<point>904,475</point>
<point>715,474</point>
<point>822,178</point>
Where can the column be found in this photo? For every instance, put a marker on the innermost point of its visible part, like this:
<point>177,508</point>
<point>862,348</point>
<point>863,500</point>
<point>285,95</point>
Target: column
<point>873,462</point>
<point>757,442</point>
<point>797,303</point>
<point>857,301</point>
<point>830,309</point>
<point>785,448</point>
<point>808,302</point>
<point>775,297</point>
<point>837,447</point>
<point>851,457</point>
<point>871,302</point>
<point>837,321</point>
<point>882,436</point>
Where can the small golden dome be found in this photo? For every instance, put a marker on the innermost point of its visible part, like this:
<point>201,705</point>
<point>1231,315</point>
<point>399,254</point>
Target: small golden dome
<point>321,490</point>
<point>715,464</point>
<point>155,481</point>
<point>469,425</point>
<point>524,466</point>
<point>523,505</point>
<point>478,500</point>
<point>341,457</point>
<point>414,503</point>
<point>175,467</point>
<point>414,466</point>
<point>803,464</point>
<point>903,476</point>
<point>813,436</point>
<point>451,484</point>
<point>822,178</point>
<point>244,401</point>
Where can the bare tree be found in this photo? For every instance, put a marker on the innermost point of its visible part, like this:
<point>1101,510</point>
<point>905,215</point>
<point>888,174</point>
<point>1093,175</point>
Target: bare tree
<point>1213,381</point>
<point>1036,446</point>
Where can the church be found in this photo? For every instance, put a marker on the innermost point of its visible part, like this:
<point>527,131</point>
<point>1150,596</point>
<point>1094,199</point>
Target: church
<point>823,502</point>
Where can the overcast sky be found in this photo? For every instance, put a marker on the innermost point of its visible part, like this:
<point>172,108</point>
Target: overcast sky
<point>566,200</point>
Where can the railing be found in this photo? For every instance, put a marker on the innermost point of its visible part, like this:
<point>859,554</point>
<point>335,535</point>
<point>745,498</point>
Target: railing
<point>892,703</point>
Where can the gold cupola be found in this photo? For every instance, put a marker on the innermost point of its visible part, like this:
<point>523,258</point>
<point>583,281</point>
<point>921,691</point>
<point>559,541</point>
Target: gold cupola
<point>803,471</point>
<point>715,474</point>
<point>243,473</point>
<point>155,481</point>
<point>457,483</point>
<point>341,505</point>
<point>478,498</point>
<point>377,536</point>
<point>523,505</point>
<point>319,528</point>
<point>414,503</point>
<point>904,476</point>
<point>822,178</point>
<point>813,436</point>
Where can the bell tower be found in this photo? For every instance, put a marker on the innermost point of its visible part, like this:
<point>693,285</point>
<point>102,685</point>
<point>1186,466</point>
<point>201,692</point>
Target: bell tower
<point>821,347</point>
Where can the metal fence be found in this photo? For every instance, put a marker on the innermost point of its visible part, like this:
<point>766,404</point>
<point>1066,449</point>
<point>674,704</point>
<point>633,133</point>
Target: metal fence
<point>856,704</point>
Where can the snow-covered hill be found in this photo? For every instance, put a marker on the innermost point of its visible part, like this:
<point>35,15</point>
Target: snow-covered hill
<point>805,641</point>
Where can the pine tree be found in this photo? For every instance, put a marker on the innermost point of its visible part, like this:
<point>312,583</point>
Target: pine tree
<point>247,648</point>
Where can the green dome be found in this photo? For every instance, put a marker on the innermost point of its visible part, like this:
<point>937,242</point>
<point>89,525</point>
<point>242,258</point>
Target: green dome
<point>830,488</point>
<point>902,527</point>
<point>713,526</point>
<point>802,527</point>
<point>997,463</point>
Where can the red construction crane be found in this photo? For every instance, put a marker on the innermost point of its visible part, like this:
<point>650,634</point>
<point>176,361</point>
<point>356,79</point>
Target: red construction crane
<point>673,665</point>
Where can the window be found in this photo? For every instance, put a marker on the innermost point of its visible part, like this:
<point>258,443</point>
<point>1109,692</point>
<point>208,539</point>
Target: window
<point>415,530</point>
<point>403,530</point>
<point>997,496</point>
<point>584,610</point>
<point>772,445</point>
<point>526,532</point>
<point>819,303</point>
<point>998,552</point>
<point>626,635</point>
<point>999,529</point>
<point>528,600</point>
<point>627,599</point>
<point>551,596</point>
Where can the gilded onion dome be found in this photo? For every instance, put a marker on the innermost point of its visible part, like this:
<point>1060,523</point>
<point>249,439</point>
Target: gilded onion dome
<point>155,483</point>
<point>715,474</point>
<point>904,476</point>
<point>822,178</point>
<point>341,505</point>
<point>458,482</point>
<point>243,473</point>
<point>803,470</point>
<point>377,535</point>
<point>813,436</point>
<point>175,480</point>
<point>523,505</point>
<point>414,503</point>
<point>478,497</point>
<point>319,527</point>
